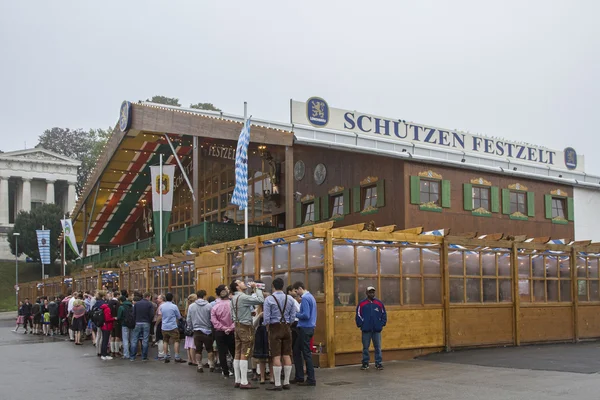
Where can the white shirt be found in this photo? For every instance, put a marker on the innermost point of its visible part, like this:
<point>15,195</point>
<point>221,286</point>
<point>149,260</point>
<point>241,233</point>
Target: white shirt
<point>297,308</point>
<point>70,305</point>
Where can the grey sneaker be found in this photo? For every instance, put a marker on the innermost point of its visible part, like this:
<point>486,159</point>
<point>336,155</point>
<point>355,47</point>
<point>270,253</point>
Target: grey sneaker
<point>365,366</point>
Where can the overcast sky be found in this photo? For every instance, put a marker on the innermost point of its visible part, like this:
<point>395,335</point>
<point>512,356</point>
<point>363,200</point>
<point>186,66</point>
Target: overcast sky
<point>523,70</point>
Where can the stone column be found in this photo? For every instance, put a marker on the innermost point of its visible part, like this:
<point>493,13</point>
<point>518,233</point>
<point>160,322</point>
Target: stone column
<point>3,201</point>
<point>26,195</point>
<point>50,192</point>
<point>70,198</point>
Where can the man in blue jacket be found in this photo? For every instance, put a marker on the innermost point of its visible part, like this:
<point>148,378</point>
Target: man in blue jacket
<point>371,318</point>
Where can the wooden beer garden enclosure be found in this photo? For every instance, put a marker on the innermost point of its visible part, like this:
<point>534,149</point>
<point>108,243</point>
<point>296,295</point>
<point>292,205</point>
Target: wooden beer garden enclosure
<point>440,292</point>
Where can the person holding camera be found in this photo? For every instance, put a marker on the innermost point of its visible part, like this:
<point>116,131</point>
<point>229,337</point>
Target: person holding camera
<point>242,306</point>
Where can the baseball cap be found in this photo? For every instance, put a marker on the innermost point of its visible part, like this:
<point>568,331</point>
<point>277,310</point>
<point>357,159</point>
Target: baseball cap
<point>370,288</point>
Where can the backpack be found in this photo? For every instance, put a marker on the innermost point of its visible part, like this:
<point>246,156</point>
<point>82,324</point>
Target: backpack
<point>98,317</point>
<point>181,325</point>
<point>129,319</point>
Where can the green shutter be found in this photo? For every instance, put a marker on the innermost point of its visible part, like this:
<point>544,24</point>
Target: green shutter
<point>415,190</point>
<point>530,204</point>
<point>346,201</point>
<point>325,205</point>
<point>548,205</point>
<point>494,199</point>
<point>298,213</point>
<point>505,201</point>
<point>446,194</point>
<point>570,209</point>
<point>468,196</point>
<point>356,199</point>
<point>380,193</point>
<point>317,209</point>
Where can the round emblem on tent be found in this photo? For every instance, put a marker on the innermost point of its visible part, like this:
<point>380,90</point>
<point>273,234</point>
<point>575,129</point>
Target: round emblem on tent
<point>125,117</point>
<point>570,158</point>
<point>299,170</point>
<point>320,174</point>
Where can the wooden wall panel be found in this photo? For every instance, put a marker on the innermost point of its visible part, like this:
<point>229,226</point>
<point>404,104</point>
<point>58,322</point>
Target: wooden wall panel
<point>388,355</point>
<point>347,169</point>
<point>542,324</point>
<point>320,335</point>
<point>588,321</point>
<point>406,329</point>
<point>210,260</point>
<point>481,326</point>
<point>460,220</point>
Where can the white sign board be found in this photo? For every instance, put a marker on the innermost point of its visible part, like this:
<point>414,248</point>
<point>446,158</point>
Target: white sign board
<point>317,113</point>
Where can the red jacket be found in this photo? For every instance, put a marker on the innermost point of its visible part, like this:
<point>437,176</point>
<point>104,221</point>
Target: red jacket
<point>108,318</point>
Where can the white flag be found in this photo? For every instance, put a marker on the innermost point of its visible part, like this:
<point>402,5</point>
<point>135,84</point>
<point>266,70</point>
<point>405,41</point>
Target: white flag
<point>167,187</point>
<point>69,235</point>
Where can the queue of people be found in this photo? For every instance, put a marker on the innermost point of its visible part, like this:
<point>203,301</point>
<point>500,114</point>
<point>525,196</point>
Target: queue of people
<point>243,330</point>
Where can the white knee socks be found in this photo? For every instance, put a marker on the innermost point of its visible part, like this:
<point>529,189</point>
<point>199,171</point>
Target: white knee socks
<point>236,370</point>
<point>277,375</point>
<point>243,372</point>
<point>287,371</point>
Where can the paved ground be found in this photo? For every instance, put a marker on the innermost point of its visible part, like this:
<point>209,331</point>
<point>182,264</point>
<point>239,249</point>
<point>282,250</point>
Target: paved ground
<point>34,367</point>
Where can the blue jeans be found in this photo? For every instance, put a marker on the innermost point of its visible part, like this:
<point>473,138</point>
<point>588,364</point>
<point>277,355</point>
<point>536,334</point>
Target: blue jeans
<point>142,328</point>
<point>367,337</point>
<point>303,342</point>
<point>125,342</point>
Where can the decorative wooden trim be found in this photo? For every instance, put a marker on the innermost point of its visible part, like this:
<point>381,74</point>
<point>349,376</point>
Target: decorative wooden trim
<point>307,198</point>
<point>336,190</point>
<point>431,206</point>
<point>336,217</point>
<point>480,181</point>
<point>369,210</point>
<point>517,186</point>
<point>369,180</point>
<point>481,212</point>
<point>430,174</point>
<point>518,216</point>
<point>560,221</point>
<point>559,192</point>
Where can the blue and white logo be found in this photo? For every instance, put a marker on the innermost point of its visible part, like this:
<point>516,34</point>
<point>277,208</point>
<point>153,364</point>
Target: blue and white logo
<point>125,117</point>
<point>317,111</point>
<point>570,158</point>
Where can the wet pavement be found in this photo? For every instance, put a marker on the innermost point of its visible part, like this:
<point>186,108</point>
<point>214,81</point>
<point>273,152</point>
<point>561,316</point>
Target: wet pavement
<point>53,369</point>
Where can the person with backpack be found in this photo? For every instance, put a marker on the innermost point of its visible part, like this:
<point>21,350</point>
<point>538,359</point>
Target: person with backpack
<point>78,320</point>
<point>97,316</point>
<point>127,321</point>
<point>106,326</point>
<point>115,335</point>
<point>143,312</point>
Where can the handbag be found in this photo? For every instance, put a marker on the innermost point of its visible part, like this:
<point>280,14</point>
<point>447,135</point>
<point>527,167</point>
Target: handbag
<point>189,330</point>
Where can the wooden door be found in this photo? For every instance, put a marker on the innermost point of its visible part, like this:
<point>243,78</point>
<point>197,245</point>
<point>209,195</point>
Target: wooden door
<point>209,278</point>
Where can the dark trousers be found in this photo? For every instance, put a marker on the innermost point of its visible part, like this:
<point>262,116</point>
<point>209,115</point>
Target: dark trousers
<point>302,347</point>
<point>225,343</point>
<point>27,320</point>
<point>105,338</point>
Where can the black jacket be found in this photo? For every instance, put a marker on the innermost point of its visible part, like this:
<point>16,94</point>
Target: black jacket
<point>27,309</point>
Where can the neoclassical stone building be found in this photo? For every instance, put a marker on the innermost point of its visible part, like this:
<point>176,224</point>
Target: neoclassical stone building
<point>32,177</point>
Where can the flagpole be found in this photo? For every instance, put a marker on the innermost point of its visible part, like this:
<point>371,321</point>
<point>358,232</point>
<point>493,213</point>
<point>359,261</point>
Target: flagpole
<point>42,262</point>
<point>247,205</point>
<point>64,261</point>
<point>160,204</point>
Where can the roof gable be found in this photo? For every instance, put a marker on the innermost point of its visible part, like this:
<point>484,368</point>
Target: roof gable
<point>38,154</point>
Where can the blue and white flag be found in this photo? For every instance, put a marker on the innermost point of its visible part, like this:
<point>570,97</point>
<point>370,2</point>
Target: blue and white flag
<point>43,238</point>
<point>240,192</point>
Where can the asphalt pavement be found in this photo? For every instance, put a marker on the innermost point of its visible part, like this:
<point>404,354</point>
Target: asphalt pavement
<point>55,369</point>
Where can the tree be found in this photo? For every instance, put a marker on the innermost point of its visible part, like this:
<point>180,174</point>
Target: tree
<point>81,145</point>
<point>205,106</point>
<point>169,101</point>
<point>47,215</point>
